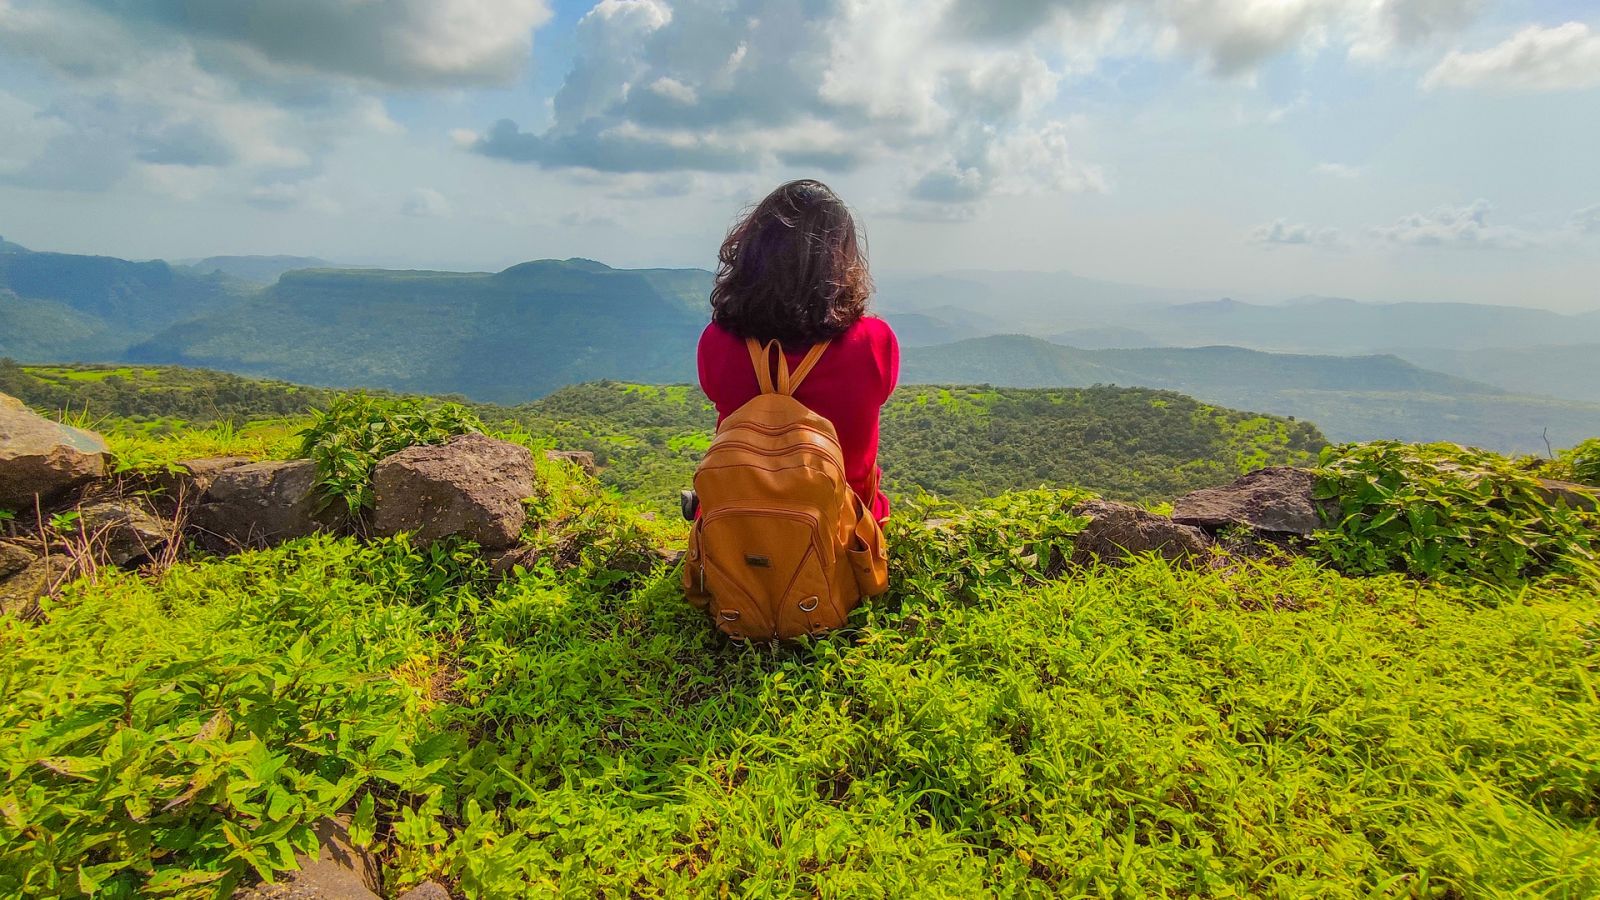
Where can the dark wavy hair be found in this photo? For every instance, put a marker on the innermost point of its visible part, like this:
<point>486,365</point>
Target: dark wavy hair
<point>792,269</point>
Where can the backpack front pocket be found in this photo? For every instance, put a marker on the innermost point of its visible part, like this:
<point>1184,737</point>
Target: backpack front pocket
<point>764,570</point>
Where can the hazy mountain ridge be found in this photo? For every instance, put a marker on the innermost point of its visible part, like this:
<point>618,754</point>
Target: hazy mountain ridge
<point>504,337</point>
<point>63,306</point>
<point>260,270</point>
<point>1351,398</point>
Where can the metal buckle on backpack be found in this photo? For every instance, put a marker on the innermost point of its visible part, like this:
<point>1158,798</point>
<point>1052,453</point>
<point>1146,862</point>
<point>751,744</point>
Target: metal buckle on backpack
<point>813,601</point>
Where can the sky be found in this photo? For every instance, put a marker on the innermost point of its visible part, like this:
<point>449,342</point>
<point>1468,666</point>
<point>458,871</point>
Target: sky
<point>1263,149</point>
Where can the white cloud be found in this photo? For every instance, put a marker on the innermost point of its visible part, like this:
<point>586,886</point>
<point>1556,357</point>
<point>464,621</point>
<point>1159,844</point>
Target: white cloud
<point>426,203</point>
<point>1566,57</point>
<point>263,90</point>
<point>408,43</point>
<point>309,194</point>
<point>1337,170</point>
<point>1451,226</point>
<point>697,88</point>
<point>1587,220</point>
<point>1280,231</point>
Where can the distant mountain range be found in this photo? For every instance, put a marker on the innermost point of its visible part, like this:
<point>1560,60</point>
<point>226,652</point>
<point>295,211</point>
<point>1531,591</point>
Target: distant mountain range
<point>1570,371</point>
<point>64,306</point>
<point>505,337</point>
<point>1351,398</point>
<point>261,270</point>
<point>517,334</point>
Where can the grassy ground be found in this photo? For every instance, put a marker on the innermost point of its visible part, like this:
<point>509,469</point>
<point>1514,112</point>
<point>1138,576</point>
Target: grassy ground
<point>1245,731</point>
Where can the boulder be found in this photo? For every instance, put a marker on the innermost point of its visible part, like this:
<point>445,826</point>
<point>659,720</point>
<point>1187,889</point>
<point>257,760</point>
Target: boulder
<point>194,477</point>
<point>1117,531</point>
<point>13,559</point>
<point>471,487</point>
<point>20,593</point>
<point>1575,496</point>
<point>43,459</point>
<point>340,871</point>
<point>1277,499</point>
<point>583,459</point>
<point>264,503</point>
<point>428,890</point>
<point>125,530</point>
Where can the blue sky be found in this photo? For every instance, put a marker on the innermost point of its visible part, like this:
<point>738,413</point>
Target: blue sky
<point>1380,149</point>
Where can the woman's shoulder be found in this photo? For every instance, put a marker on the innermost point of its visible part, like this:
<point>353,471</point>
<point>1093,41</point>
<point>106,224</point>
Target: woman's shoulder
<point>871,331</point>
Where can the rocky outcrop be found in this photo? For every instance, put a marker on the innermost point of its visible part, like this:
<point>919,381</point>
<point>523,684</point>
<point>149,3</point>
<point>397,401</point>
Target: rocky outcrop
<point>264,503</point>
<point>339,872</point>
<point>471,487</point>
<point>41,459</point>
<point>1575,496</point>
<point>123,531</point>
<point>583,459</point>
<point>1117,531</point>
<point>1276,500</point>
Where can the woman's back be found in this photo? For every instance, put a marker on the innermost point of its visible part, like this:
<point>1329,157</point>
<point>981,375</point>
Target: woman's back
<point>847,387</point>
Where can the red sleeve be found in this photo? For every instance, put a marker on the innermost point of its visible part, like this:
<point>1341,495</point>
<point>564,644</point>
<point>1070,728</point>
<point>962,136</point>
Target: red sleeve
<point>892,361</point>
<point>704,364</point>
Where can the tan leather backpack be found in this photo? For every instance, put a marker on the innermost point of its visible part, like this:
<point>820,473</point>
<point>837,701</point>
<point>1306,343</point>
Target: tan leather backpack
<point>783,547</point>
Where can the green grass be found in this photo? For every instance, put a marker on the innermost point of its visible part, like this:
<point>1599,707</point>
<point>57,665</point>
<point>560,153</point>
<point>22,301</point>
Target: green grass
<point>985,729</point>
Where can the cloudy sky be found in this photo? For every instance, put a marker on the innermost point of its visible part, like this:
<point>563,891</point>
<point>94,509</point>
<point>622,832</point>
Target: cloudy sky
<point>1381,149</point>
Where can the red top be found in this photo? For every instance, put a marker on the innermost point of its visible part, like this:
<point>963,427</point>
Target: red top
<point>849,385</point>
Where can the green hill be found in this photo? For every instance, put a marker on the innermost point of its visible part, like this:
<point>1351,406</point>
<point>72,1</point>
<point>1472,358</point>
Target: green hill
<point>502,337</point>
<point>61,306</point>
<point>961,443</point>
<point>1351,398</point>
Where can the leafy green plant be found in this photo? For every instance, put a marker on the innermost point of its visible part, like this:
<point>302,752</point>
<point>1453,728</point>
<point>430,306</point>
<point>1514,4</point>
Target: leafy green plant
<point>180,741</point>
<point>943,550</point>
<point>1582,463</point>
<point>1448,512</point>
<point>356,431</point>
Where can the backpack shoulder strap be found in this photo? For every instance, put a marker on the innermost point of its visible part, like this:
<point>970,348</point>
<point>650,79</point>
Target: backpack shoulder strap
<point>788,382</point>
<point>760,357</point>
<point>806,365</point>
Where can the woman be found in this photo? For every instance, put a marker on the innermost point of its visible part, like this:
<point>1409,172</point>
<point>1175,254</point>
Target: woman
<point>794,270</point>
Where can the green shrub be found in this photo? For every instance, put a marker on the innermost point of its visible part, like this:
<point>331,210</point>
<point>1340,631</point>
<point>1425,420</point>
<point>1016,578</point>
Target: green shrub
<point>943,550</point>
<point>357,431</point>
<point>1582,463</point>
<point>1448,512</point>
<point>177,739</point>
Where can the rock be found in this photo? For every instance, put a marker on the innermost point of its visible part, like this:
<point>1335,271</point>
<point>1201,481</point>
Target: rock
<point>472,487</point>
<point>195,476</point>
<point>1276,499</point>
<point>125,530</point>
<point>1120,530</point>
<point>504,564</point>
<point>340,871</point>
<point>428,890</point>
<point>43,459</point>
<point>1575,496</point>
<point>20,593</point>
<point>264,503</point>
<point>13,559</point>
<point>583,459</point>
